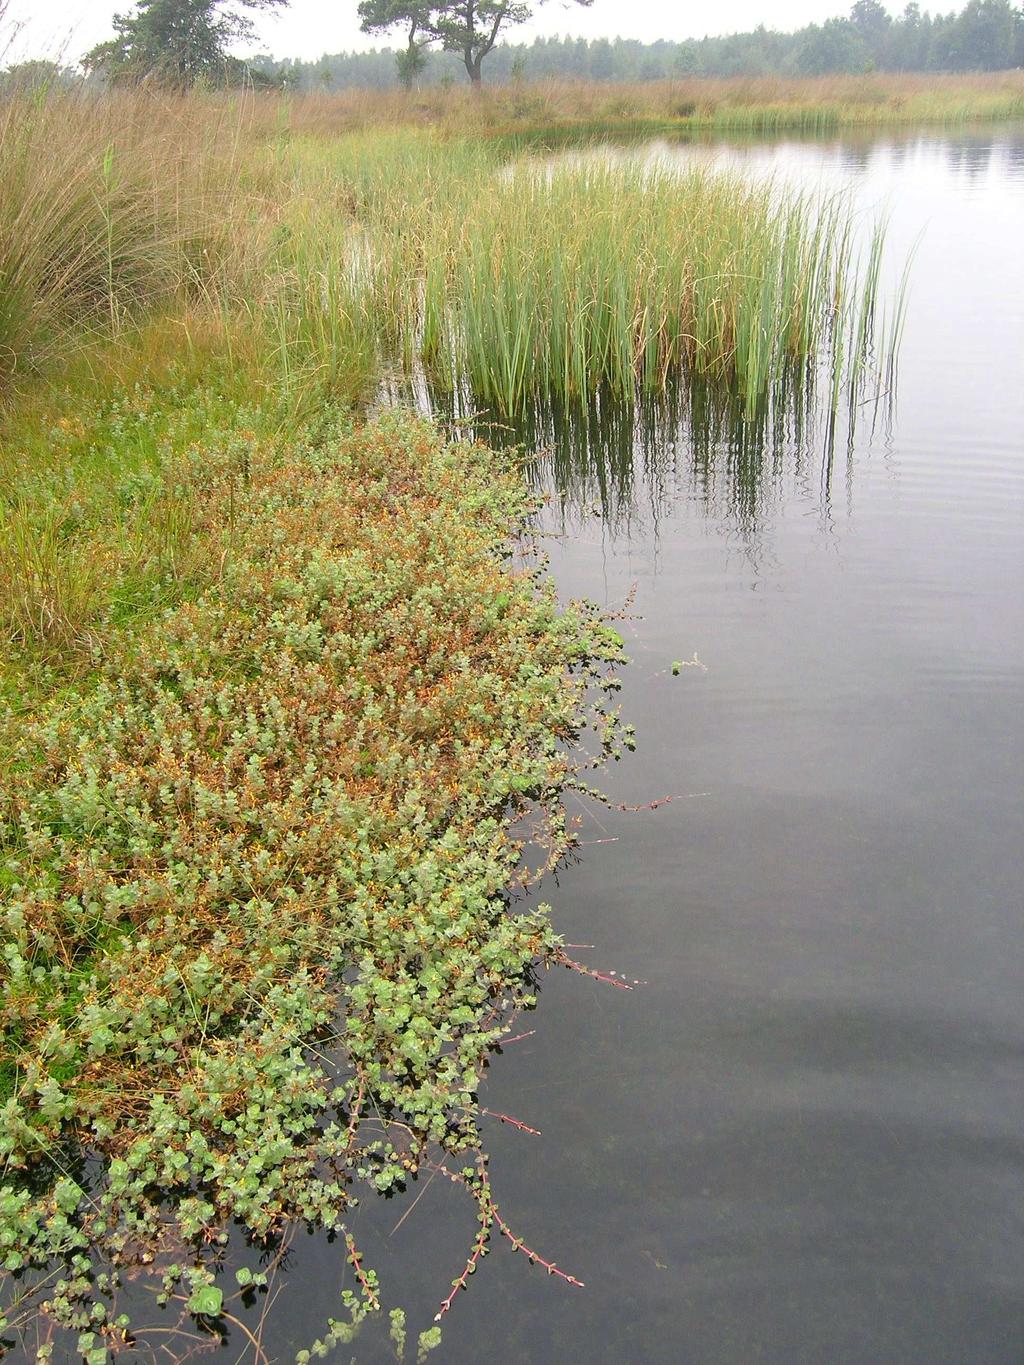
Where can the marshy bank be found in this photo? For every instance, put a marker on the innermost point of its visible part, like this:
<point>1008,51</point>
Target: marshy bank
<point>268,271</point>
<point>274,695</point>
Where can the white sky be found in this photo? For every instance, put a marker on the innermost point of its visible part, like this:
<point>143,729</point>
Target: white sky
<point>308,28</point>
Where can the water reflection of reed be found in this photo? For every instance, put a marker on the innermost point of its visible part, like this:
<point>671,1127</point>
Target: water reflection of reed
<point>626,461</point>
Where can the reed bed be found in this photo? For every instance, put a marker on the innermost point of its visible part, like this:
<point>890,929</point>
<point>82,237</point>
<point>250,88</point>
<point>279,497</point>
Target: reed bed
<point>534,279</point>
<point>595,277</point>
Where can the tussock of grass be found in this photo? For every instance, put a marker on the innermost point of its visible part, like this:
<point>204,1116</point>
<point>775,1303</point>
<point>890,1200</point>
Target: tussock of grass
<point>109,208</point>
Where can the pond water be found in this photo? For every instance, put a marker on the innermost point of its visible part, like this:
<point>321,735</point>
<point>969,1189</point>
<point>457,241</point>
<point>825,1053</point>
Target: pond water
<point>802,1139</point>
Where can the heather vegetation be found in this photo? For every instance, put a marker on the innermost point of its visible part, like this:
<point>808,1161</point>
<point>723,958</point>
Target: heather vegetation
<point>275,697</point>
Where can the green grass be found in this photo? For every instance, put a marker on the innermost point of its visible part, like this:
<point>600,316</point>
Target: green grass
<point>99,481</point>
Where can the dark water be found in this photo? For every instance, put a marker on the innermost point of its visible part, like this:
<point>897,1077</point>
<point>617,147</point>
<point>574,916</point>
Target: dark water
<point>803,1139</point>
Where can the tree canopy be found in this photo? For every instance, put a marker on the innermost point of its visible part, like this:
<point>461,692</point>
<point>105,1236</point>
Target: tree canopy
<point>468,27</point>
<point>178,43</point>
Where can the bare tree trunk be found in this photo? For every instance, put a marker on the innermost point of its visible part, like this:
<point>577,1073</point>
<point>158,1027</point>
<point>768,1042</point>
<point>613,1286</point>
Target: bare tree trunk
<point>472,57</point>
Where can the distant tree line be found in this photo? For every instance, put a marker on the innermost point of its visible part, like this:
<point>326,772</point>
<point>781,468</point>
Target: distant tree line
<point>187,42</point>
<point>986,35</point>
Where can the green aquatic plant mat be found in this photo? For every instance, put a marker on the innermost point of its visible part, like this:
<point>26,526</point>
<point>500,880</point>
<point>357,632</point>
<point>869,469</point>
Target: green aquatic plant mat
<point>256,939</point>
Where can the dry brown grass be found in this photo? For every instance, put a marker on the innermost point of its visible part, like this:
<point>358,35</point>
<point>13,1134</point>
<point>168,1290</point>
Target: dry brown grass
<point>109,206</point>
<point>736,102</point>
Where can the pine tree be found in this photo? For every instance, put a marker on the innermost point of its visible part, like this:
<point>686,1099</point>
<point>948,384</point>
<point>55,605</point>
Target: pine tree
<point>177,43</point>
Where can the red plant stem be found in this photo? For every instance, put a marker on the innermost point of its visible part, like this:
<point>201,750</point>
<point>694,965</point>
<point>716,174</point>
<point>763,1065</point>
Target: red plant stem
<point>479,1248</point>
<point>357,1265</point>
<point>518,1038</point>
<point>489,1214</point>
<point>353,1122</point>
<point>507,1118</point>
<point>519,1245</point>
<point>590,971</point>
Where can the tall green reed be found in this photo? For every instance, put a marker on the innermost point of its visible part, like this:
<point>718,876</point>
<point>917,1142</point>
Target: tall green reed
<point>530,278</point>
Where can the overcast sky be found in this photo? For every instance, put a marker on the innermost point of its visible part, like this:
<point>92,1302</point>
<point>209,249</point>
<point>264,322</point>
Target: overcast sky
<point>308,28</point>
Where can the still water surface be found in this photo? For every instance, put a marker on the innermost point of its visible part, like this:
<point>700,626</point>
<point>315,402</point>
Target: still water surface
<point>803,1139</point>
